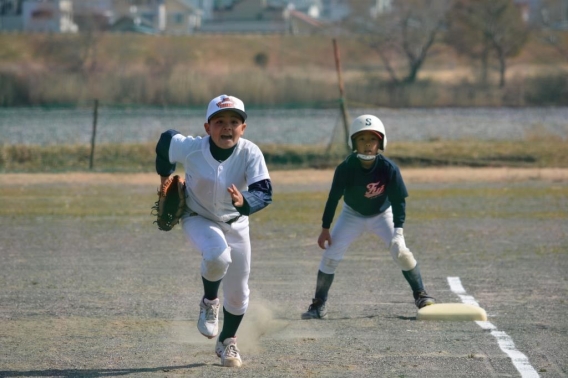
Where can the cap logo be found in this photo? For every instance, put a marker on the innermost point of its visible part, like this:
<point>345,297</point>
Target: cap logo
<point>226,102</point>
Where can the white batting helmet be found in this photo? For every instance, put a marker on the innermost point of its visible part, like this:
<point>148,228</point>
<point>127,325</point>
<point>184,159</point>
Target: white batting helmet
<point>371,123</point>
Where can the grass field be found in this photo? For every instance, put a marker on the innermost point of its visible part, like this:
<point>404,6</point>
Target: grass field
<point>541,152</point>
<point>90,288</point>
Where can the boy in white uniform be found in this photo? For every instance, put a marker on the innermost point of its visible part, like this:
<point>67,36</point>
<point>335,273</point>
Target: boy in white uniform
<point>227,180</point>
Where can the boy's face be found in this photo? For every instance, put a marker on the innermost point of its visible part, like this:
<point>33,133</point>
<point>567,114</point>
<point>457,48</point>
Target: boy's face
<point>225,128</point>
<point>367,142</point>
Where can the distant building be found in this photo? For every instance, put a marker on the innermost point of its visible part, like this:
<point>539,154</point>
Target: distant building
<point>554,14</point>
<point>176,17</point>
<point>11,15</point>
<point>267,16</point>
<point>93,14</point>
<point>334,10</point>
<point>529,10</point>
<point>381,7</point>
<point>548,13</point>
<point>132,25</point>
<point>48,16</point>
<point>312,8</point>
<point>173,17</point>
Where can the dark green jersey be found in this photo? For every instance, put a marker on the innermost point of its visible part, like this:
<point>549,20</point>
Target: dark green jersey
<point>367,191</point>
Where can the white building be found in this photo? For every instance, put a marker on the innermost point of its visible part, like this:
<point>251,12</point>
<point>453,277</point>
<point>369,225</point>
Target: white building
<point>173,17</point>
<point>48,16</point>
<point>381,7</point>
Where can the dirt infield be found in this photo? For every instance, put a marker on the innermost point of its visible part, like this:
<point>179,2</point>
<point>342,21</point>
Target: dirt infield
<point>90,288</point>
<point>308,177</point>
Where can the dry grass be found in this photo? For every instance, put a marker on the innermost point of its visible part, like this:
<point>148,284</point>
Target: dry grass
<point>133,69</point>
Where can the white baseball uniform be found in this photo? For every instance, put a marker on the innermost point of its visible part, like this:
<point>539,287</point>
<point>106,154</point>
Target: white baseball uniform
<point>225,247</point>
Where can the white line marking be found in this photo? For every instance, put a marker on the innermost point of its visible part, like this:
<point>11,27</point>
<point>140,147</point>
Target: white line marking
<point>520,361</point>
<point>456,285</point>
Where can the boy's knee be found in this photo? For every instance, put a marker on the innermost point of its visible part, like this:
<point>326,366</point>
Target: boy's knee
<point>405,260</point>
<point>214,269</point>
<point>328,266</point>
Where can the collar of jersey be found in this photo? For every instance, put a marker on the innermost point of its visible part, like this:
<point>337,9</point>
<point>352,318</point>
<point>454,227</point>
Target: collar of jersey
<point>218,153</point>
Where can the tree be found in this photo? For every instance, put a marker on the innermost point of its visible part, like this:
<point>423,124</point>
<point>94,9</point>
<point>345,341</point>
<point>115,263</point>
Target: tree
<point>406,31</point>
<point>481,29</point>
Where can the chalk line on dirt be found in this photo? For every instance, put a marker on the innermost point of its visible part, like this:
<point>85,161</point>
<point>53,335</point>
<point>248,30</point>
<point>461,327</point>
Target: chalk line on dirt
<point>520,361</point>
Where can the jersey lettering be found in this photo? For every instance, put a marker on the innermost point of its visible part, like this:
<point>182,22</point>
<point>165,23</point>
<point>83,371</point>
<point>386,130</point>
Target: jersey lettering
<point>375,190</point>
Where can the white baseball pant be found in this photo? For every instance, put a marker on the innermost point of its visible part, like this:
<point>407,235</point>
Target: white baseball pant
<point>349,226</point>
<point>225,251</point>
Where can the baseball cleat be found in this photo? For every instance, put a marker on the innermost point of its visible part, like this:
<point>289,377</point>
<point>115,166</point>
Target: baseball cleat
<point>219,348</point>
<point>228,352</point>
<point>422,299</point>
<point>208,323</point>
<point>317,310</point>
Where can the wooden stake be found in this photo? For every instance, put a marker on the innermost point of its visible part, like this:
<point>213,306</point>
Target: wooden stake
<point>95,114</point>
<point>342,101</point>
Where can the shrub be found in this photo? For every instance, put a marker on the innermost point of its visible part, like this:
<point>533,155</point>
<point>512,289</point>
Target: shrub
<point>14,91</point>
<point>548,90</point>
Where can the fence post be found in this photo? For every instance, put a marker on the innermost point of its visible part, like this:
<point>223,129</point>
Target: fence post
<point>346,121</point>
<point>95,114</point>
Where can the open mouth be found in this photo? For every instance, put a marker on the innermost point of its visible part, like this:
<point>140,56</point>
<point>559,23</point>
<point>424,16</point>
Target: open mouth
<point>226,137</point>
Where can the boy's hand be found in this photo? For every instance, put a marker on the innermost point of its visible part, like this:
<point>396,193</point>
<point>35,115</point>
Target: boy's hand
<point>397,240</point>
<point>236,196</point>
<point>324,236</point>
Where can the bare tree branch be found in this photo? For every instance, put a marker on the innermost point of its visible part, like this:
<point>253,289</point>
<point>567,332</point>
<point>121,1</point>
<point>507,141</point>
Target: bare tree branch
<point>477,27</point>
<point>407,33</point>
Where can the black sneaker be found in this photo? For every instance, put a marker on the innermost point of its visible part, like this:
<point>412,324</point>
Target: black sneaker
<point>316,310</point>
<point>422,299</point>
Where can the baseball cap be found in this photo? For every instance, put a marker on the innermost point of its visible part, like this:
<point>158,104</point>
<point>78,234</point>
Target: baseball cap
<point>224,102</point>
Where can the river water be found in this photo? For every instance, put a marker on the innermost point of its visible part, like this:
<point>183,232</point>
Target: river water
<point>38,126</point>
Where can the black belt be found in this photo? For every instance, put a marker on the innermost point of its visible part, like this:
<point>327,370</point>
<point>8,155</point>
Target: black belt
<point>230,221</point>
<point>233,220</point>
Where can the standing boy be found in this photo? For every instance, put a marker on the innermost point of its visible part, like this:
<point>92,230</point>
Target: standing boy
<point>374,195</point>
<point>226,180</point>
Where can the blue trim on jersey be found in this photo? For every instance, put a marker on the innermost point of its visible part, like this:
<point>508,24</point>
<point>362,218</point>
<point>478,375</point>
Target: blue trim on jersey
<point>163,165</point>
<point>258,196</point>
<point>368,192</point>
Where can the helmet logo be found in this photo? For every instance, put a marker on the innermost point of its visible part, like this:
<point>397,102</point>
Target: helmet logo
<point>368,122</point>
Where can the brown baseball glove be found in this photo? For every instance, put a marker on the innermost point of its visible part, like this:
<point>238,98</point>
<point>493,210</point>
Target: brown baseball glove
<point>170,204</point>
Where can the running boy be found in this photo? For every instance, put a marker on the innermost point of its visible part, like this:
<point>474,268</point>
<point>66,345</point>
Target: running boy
<point>374,195</point>
<point>227,180</point>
